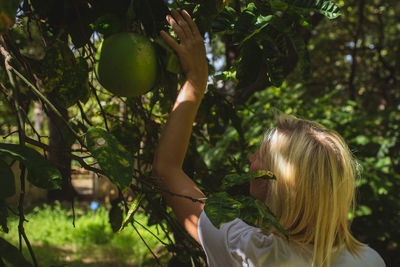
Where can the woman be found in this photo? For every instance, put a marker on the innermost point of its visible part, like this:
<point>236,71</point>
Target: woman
<point>311,196</point>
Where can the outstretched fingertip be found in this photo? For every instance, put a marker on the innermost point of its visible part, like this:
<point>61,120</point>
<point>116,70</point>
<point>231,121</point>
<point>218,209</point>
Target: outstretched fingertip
<point>185,12</point>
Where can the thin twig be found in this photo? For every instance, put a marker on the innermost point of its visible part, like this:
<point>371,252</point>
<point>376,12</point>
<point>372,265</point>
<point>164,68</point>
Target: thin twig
<point>166,233</point>
<point>83,115</point>
<point>148,230</point>
<point>11,133</point>
<point>101,107</point>
<point>21,229</point>
<point>73,212</point>
<point>151,251</point>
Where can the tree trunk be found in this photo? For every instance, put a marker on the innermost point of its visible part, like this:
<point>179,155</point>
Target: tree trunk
<point>60,141</point>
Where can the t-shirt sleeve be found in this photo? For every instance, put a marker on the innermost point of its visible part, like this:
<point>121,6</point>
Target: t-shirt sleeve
<point>213,242</point>
<point>236,244</point>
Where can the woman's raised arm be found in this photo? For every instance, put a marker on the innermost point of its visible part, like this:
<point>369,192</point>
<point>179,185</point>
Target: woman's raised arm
<point>175,136</point>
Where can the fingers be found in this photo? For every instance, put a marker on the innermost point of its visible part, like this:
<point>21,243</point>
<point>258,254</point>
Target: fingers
<point>182,23</point>
<point>193,27</point>
<point>170,41</point>
<point>184,27</point>
<point>176,27</point>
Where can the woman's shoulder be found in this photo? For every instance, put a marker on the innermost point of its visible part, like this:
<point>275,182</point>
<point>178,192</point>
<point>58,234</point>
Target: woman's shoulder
<point>237,242</point>
<point>250,244</point>
<point>239,231</point>
<point>366,257</point>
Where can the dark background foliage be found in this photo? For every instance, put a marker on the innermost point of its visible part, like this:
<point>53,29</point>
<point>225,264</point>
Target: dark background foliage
<point>265,56</point>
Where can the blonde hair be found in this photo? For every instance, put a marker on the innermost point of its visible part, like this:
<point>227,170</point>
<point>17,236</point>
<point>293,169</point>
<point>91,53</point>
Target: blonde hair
<point>315,185</point>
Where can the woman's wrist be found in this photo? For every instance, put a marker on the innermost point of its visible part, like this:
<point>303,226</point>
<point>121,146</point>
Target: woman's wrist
<point>198,82</point>
<point>191,91</point>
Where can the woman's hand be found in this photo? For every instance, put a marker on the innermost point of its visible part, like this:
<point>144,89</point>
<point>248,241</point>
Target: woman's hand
<point>191,50</point>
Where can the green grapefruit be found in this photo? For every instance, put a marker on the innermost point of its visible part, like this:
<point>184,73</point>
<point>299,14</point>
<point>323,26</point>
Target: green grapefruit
<point>126,64</point>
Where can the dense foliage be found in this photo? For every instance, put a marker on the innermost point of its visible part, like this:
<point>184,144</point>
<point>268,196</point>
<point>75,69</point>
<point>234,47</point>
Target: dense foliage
<point>306,57</point>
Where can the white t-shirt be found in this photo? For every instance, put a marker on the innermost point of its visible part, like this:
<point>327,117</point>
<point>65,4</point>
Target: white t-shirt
<point>239,244</point>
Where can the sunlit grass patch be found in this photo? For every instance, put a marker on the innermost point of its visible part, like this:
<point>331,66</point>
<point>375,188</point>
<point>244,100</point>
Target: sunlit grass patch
<point>91,243</point>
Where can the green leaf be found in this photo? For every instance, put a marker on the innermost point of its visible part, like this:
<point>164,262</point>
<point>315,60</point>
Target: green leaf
<point>221,208</point>
<point>234,179</point>
<point>115,161</point>
<point>7,182</point>
<point>361,140</point>
<point>41,172</point>
<point>3,216</point>
<point>266,213</point>
<point>12,255</point>
<point>262,22</point>
<point>248,212</point>
<point>249,64</point>
<point>277,5</point>
<point>327,8</point>
<point>275,70</point>
<point>79,28</point>
<point>263,6</point>
<point>132,210</point>
<point>170,58</point>
<point>245,23</point>
<point>129,135</point>
<point>302,52</point>
<point>224,22</point>
<point>115,217</point>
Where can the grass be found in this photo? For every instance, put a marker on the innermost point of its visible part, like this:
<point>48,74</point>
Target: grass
<point>91,243</point>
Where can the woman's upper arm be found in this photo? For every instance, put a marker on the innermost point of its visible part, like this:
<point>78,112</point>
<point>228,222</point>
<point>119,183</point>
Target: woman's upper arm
<point>187,211</point>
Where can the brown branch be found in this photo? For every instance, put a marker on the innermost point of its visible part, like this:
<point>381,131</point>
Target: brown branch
<point>22,136</point>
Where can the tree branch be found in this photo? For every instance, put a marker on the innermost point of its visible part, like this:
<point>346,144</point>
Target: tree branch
<point>22,137</point>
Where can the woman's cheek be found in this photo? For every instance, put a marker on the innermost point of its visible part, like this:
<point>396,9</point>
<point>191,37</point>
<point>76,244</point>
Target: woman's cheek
<point>258,189</point>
